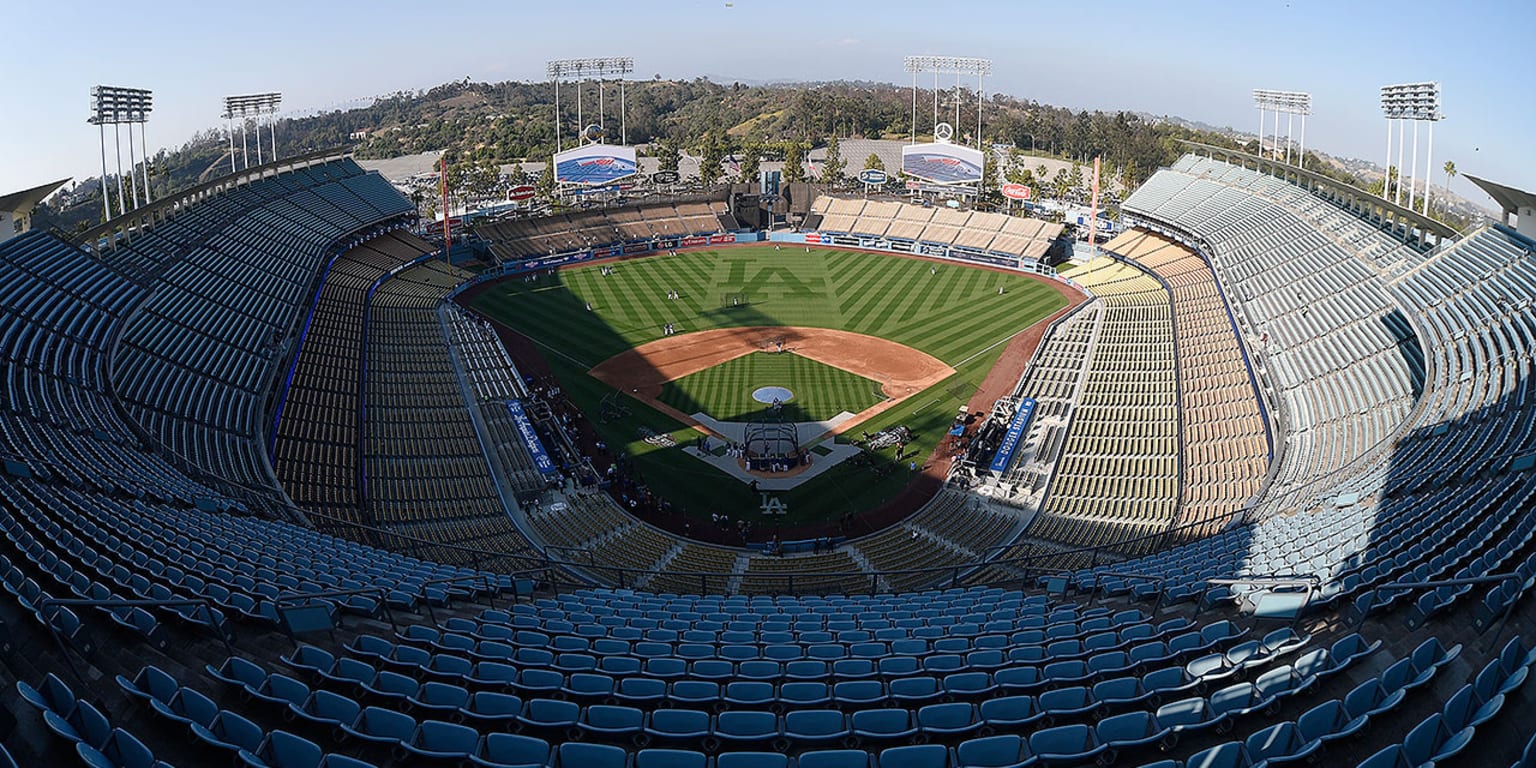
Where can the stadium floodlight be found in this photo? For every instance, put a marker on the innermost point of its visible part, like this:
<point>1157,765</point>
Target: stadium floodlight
<point>246,107</point>
<point>1419,102</point>
<point>958,66</point>
<point>582,70</point>
<point>117,106</point>
<point>1291,103</point>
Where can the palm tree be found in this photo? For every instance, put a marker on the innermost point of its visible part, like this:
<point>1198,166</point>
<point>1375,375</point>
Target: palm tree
<point>1450,173</point>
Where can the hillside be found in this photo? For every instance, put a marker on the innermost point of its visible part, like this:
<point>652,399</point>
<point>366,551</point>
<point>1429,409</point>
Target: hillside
<point>492,124</point>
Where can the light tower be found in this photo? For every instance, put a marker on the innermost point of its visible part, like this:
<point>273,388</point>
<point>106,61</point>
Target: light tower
<point>245,107</point>
<point>958,66</point>
<point>582,70</point>
<point>1291,103</point>
<point>115,106</point>
<point>1419,102</point>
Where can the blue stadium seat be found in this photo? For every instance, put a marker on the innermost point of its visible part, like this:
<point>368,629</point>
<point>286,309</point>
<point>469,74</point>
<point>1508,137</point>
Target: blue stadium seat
<point>836,758</point>
<point>281,749</point>
<point>917,756</point>
<point>739,727</point>
<point>877,725</point>
<point>1130,730</point>
<point>324,708</point>
<point>1065,745</point>
<point>382,726</point>
<point>508,750</point>
<point>678,726</point>
<point>186,707</point>
<point>950,719</point>
<point>489,709</point>
<point>438,699</point>
<point>121,750</point>
<point>670,758</point>
<point>810,726</point>
<point>578,755</point>
<point>1008,750</point>
<point>752,760</point>
<point>1231,754</point>
<point>230,732</point>
<point>442,741</point>
<point>611,721</point>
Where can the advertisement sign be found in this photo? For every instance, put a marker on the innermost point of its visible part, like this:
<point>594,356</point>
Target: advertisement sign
<point>721,239</point>
<point>873,176</point>
<point>524,425</point>
<point>594,164</point>
<point>813,237</point>
<point>520,193</point>
<point>942,163</point>
<point>637,247</point>
<point>665,177</point>
<point>1017,192</point>
<point>1013,436</point>
<point>689,242</point>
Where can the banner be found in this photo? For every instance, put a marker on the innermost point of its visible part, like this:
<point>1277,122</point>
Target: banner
<point>813,237</point>
<point>524,426</point>
<point>594,164</point>
<point>689,242</point>
<point>637,247</point>
<point>1013,436</point>
<point>721,239</point>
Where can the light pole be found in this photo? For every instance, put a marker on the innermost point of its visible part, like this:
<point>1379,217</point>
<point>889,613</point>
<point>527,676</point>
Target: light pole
<point>241,108</point>
<point>1419,102</point>
<point>1291,103</point>
<point>115,106</point>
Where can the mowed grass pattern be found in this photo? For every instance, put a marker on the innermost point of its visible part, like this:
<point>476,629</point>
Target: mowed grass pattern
<point>952,312</point>
<point>725,391</point>
<point>947,310</point>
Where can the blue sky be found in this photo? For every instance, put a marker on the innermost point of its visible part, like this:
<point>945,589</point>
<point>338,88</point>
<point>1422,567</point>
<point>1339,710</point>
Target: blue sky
<point>1194,58</point>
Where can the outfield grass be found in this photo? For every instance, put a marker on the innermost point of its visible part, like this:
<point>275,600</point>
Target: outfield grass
<point>946,310</point>
<point>725,390</point>
<point>952,312</point>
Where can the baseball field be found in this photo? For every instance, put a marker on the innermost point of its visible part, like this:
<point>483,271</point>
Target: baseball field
<point>898,341</point>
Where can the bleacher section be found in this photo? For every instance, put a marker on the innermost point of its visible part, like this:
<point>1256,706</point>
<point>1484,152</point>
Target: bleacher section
<point>906,225</point>
<point>1347,368</point>
<point>1225,445</point>
<point>61,310</point>
<point>425,471</point>
<point>194,363</point>
<point>517,239</point>
<point>1119,471</point>
<point>315,451</point>
<point>1451,475</point>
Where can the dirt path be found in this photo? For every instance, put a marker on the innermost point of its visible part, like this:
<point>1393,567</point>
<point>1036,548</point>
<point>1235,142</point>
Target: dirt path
<point>901,370</point>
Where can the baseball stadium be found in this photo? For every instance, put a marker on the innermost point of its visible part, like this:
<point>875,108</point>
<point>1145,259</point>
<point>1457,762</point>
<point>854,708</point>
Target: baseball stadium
<point>884,474</point>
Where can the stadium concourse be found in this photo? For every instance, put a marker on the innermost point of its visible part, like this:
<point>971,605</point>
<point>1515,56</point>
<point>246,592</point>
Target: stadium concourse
<point>263,498</point>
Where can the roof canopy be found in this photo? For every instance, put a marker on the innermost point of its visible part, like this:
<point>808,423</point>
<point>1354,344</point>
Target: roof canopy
<point>27,199</point>
<point>1508,198</point>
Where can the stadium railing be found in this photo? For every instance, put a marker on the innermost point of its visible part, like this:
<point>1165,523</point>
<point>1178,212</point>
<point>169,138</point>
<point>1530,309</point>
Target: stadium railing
<point>146,216</point>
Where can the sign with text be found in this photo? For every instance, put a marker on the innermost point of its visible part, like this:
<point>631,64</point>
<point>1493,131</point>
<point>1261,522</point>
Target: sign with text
<point>1017,192</point>
<point>524,426</point>
<point>1013,436</point>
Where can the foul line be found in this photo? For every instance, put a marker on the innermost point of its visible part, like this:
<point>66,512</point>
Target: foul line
<point>985,349</point>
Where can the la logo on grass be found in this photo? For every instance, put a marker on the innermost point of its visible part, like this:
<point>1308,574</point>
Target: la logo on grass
<point>773,505</point>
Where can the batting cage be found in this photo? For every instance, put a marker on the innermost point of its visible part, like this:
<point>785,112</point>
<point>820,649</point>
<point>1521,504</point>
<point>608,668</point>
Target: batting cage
<point>772,447</point>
